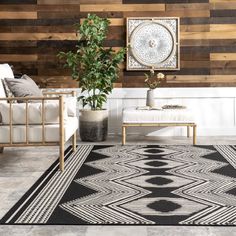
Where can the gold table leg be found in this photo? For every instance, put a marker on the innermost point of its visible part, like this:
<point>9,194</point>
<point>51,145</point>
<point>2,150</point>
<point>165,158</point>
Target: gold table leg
<point>123,135</point>
<point>194,134</point>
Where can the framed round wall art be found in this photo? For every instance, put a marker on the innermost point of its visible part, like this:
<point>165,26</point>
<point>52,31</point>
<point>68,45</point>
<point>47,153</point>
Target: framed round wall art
<point>153,43</point>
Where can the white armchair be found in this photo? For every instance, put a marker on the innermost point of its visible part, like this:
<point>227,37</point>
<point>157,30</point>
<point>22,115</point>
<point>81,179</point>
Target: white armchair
<point>37,121</point>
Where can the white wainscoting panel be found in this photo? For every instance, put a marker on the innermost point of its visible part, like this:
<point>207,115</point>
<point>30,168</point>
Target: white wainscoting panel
<point>213,108</point>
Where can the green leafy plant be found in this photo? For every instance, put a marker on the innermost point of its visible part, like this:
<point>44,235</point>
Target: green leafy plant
<point>153,80</point>
<point>93,66</point>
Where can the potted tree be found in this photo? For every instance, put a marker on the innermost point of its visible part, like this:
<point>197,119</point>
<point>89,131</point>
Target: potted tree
<point>96,69</point>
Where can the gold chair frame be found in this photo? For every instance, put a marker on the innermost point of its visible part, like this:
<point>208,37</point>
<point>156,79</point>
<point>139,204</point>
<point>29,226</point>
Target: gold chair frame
<point>61,143</point>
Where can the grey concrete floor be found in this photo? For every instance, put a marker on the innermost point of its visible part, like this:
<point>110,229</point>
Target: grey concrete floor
<point>21,167</point>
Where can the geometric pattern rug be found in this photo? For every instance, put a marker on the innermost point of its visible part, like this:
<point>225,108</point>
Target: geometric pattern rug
<point>134,184</point>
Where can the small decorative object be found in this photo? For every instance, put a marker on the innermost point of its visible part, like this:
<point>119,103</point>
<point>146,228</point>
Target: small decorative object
<point>150,100</point>
<point>173,107</point>
<point>153,81</point>
<point>148,108</point>
<point>153,42</point>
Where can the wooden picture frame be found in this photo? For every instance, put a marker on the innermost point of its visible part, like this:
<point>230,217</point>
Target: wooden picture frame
<point>153,43</point>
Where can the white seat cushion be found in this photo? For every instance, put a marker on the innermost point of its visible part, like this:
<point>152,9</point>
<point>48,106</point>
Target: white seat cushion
<point>35,132</point>
<point>71,103</point>
<point>132,115</point>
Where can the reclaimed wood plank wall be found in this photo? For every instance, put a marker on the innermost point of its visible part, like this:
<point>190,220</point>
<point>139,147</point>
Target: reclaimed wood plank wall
<point>32,32</point>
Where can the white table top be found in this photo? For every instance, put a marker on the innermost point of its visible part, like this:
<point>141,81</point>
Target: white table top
<point>134,115</point>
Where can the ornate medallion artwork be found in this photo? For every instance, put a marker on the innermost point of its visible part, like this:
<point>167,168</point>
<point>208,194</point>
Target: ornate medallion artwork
<point>153,43</point>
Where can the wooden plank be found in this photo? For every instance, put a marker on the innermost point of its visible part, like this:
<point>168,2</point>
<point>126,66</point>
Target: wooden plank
<point>18,50</point>
<point>195,28</point>
<point>18,7</point>
<point>113,21</point>
<point>17,57</point>
<point>56,29</point>
<point>63,8</point>
<point>53,46</point>
<point>208,35</point>
<point>222,1</point>
<point>194,64</point>
<point>182,84</point>
<point>59,15</point>
<point>223,13</point>
<point>164,1</point>
<point>183,71</point>
<point>55,81</point>
<point>195,50</point>
<point>116,32</point>
<point>45,58</point>
<point>223,71</point>
<point>18,2</point>
<point>209,42</point>
<point>194,20</point>
<point>25,67</point>
<point>177,13</point>
<point>18,29</point>
<point>187,6</point>
<point>56,2</point>
<point>223,19</point>
<point>201,78</point>
<point>100,1</point>
<point>223,5</point>
<point>18,15</point>
<point>106,14</point>
<point>38,36</point>
<point>223,64</point>
<point>195,56</point>
<point>222,56</point>
<point>46,71</point>
<point>122,7</point>
<point>16,44</point>
<point>223,27</point>
<point>38,22</point>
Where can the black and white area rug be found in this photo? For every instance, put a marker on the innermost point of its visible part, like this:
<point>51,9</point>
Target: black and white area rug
<point>161,184</point>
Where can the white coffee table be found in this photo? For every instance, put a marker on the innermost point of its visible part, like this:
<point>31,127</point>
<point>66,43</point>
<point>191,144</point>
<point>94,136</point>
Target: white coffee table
<point>133,117</point>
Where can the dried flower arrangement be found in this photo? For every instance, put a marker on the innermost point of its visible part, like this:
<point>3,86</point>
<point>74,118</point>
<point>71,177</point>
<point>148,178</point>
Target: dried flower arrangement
<point>153,80</point>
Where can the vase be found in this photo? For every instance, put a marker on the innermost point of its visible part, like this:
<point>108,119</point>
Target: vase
<point>93,125</point>
<point>150,100</point>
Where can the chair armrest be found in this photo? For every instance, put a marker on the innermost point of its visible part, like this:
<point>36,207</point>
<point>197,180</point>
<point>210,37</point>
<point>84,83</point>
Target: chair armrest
<point>73,93</point>
<point>25,99</point>
<point>39,112</point>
